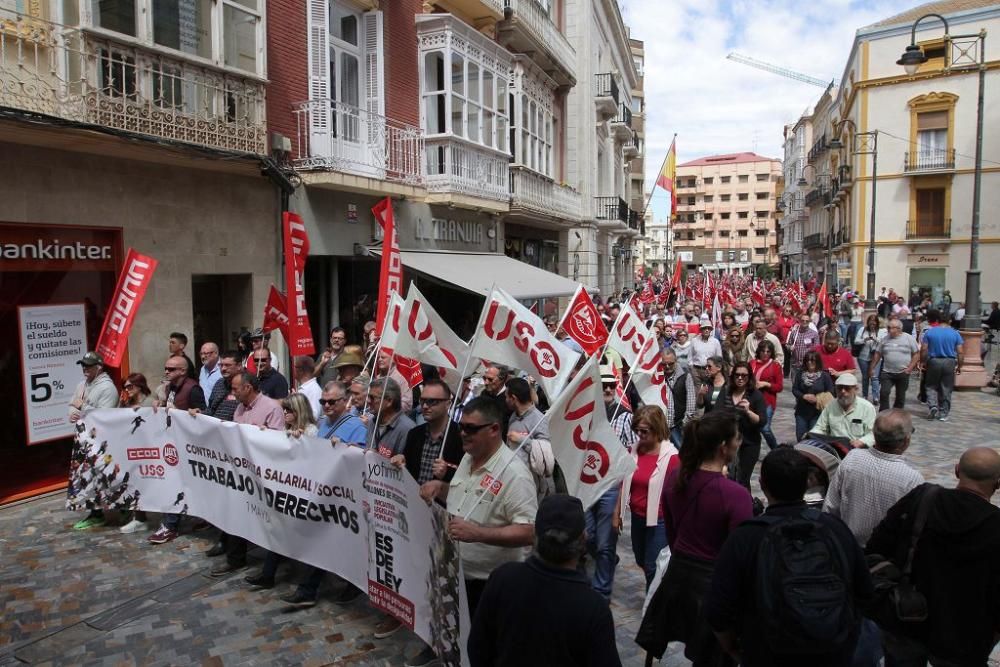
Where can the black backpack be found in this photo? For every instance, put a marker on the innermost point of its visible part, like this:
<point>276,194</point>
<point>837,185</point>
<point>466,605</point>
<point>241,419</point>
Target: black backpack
<point>802,586</point>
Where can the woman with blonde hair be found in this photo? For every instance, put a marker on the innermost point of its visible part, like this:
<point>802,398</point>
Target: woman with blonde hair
<point>642,491</point>
<point>299,418</point>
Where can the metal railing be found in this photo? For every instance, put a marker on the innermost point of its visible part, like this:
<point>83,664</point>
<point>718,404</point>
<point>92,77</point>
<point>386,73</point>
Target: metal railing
<point>334,135</point>
<point>939,229</point>
<point>814,241</point>
<point>818,148</point>
<point>633,219</point>
<point>65,72</point>
<point>818,195</point>
<point>456,165</point>
<point>606,86</point>
<point>932,160</point>
<point>611,208</point>
<point>687,183</point>
<point>543,30</point>
<point>532,191</point>
<point>624,116</point>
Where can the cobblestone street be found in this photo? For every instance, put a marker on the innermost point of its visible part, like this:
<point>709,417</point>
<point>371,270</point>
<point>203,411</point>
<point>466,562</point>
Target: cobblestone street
<point>100,597</point>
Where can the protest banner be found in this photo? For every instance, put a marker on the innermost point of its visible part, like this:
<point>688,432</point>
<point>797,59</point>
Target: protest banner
<point>332,506</point>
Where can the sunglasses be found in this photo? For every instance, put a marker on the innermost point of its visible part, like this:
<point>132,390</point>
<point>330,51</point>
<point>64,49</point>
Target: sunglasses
<point>171,369</point>
<point>262,359</point>
<point>469,429</point>
<point>431,402</point>
<point>331,401</point>
<point>741,375</point>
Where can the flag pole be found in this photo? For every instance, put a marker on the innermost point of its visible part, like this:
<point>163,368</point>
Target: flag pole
<point>673,144</point>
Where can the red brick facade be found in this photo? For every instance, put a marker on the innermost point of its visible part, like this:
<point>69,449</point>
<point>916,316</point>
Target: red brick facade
<point>287,66</point>
<point>402,83</point>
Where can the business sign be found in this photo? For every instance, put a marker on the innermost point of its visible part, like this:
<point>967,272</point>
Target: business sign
<point>25,247</point>
<point>928,259</point>
<point>53,338</point>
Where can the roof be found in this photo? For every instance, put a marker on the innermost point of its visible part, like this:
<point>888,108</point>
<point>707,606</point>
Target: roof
<point>939,7</point>
<point>729,158</point>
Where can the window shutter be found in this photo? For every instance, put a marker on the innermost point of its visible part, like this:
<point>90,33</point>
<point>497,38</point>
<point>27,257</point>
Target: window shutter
<point>319,77</point>
<point>375,87</point>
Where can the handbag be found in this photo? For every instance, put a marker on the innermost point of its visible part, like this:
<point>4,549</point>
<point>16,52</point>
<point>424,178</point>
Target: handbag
<point>897,604</point>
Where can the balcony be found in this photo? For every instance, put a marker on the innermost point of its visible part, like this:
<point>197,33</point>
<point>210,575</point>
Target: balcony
<point>917,230</point>
<point>622,123</point>
<point>539,194</point>
<point>606,94</point>
<point>528,28</point>
<point>818,196</point>
<point>689,184</point>
<point>611,210</point>
<point>632,149</point>
<point>461,167</point>
<point>929,162</point>
<point>633,220</point>
<point>341,137</point>
<point>841,237</point>
<point>813,241</point>
<point>479,9</point>
<point>64,72</point>
<point>818,148</point>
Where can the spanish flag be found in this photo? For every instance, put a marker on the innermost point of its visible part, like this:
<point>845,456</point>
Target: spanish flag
<point>668,172</point>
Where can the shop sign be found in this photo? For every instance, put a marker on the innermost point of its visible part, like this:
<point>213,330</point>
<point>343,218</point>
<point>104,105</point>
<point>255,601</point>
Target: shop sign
<point>441,230</point>
<point>53,338</point>
<point>928,259</point>
<point>52,248</point>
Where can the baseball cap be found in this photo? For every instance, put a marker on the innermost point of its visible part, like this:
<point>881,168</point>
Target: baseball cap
<point>847,380</point>
<point>91,359</point>
<point>560,512</point>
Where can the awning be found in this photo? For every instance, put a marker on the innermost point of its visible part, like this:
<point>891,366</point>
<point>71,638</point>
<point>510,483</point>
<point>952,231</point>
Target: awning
<point>478,272</point>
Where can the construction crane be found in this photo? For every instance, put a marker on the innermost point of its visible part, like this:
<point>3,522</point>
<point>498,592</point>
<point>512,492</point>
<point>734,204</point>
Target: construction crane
<point>780,71</point>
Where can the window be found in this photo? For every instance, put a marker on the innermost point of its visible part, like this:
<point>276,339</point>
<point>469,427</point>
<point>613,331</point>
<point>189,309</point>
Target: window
<point>761,195</point>
<point>691,201</point>
<point>724,233</point>
<point>761,214</point>
<point>709,180</point>
<point>763,178</point>
<point>760,251</point>
<point>709,235</point>
<point>742,233</point>
<point>724,197</point>
<point>690,236</point>
<point>930,211</point>
<point>742,196</point>
<point>677,236</point>
<point>761,232</point>
<point>742,215</point>
<point>724,216</point>
<point>533,128</point>
<point>932,135</point>
<point>709,199</point>
<point>638,64</point>
<point>636,105</point>
<point>743,178</point>
<point>725,179</point>
<point>434,90</point>
<point>116,15</point>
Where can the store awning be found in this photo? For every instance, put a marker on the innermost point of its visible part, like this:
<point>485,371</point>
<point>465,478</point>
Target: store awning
<point>478,272</point>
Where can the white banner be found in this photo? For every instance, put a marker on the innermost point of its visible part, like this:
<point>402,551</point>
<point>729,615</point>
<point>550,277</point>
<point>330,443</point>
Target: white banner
<point>338,508</point>
<point>426,337</point>
<point>53,338</point>
<point>511,334</point>
<point>584,443</point>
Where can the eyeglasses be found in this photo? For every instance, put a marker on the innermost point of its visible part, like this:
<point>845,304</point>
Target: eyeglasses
<point>262,359</point>
<point>469,429</point>
<point>431,402</point>
<point>331,401</point>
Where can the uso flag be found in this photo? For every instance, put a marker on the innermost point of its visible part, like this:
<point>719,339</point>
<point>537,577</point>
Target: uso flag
<point>583,323</point>
<point>132,285</point>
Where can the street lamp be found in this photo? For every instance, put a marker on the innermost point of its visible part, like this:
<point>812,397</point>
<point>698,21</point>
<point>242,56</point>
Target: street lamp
<point>964,53</point>
<point>864,143</point>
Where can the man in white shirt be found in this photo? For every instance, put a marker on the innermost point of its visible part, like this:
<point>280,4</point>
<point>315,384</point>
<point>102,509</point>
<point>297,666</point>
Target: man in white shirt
<point>209,373</point>
<point>704,346</point>
<point>305,378</point>
<point>870,481</point>
<point>759,335</point>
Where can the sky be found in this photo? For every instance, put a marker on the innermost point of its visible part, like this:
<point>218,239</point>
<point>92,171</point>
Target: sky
<point>715,105</point>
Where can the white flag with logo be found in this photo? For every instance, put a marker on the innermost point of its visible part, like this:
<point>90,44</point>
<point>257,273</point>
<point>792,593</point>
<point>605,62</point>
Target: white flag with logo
<point>390,330</point>
<point>423,335</point>
<point>584,443</point>
<point>648,377</point>
<point>630,336</point>
<point>511,334</point>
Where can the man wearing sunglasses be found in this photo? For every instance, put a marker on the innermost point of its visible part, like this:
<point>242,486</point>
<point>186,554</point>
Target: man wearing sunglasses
<point>423,442</point>
<point>337,423</point>
<point>272,383</point>
<point>494,489</point>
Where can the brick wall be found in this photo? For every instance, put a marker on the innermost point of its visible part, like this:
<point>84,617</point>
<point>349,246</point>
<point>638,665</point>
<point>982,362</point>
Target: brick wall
<point>287,65</point>
<point>402,84</point>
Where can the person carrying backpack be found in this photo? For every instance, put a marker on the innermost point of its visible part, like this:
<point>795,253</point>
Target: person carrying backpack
<point>787,584</point>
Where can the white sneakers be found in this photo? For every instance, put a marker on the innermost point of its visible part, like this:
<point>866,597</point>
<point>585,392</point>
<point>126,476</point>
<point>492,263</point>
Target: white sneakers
<point>133,526</point>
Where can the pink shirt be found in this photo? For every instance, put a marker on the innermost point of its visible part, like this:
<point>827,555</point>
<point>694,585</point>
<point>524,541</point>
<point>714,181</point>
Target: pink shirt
<point>262,411</point>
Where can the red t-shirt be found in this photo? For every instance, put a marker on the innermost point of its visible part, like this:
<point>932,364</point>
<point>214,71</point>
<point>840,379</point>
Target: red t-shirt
<point>841,360</point>
<point>771,373</point>
<point>639,490</point>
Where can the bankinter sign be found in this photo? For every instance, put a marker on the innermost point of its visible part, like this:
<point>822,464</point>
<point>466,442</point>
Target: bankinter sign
<point>26,247</point>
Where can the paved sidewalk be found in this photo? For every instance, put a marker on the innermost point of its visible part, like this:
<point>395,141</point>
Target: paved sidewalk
<point>99,597</point>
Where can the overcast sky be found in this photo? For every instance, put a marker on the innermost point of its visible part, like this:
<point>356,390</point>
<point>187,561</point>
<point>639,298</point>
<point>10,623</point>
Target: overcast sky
<point>716,105</point>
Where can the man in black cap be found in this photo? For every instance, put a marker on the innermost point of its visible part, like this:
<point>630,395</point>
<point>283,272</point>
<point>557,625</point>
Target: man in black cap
<point>543,611</point>
<point>97,390</point>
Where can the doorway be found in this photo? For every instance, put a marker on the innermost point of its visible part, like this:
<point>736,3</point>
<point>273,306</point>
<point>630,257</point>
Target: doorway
<point>222,307</point>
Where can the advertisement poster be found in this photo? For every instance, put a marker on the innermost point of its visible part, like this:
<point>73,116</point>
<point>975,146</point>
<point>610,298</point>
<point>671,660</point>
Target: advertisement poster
<point>53,338</point>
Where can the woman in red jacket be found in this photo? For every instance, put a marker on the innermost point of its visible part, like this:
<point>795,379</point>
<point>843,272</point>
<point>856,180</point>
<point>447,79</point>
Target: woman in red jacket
<point>769,378</point>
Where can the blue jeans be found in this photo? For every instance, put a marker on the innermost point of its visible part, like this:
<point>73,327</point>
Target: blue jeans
<point>602,541</point>
<point>647,543</point>
<point>772,442</point>
<point>803,425</point>
<point>875,382</point>
<point>677,436</point>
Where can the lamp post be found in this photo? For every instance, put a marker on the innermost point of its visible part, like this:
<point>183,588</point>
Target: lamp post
<point>963,53</point>
<point>864,143</point>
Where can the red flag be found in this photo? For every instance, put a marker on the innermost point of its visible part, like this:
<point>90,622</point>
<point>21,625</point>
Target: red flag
<point>276,313</point>
<point>708,293</point>
<point>299,336</point>
<point>823,299</point>
<point>390,277</point>
<point>133,281</point>
<point>757,293</point>
<point>620,390</point>
<point>583,323</point>
<point>648,296</point>
<point>409,369</point>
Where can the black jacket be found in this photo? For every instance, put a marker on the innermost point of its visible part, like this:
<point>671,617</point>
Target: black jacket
<point>274,385</point>
<point>532,614</point>
<point>804,408</point>
<point>956,566</point>
<point>413,450</point>
<point>731,602</point>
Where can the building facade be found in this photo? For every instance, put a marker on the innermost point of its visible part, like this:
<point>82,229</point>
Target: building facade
<point>925,147</point>
<point>726,212</point>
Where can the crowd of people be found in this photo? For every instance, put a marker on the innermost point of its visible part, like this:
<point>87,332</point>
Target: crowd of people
<point>735,588</point>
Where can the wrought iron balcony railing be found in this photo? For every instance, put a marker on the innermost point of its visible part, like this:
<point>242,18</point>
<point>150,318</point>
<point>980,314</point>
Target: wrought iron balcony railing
<point>68,73</point>
<point>813,241</point>
<point>920,229</point>
<point>531,17</point>
<point>929,161</point>
<point>606,86</point>
<point>338,136</point>
<point>611,208</point>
